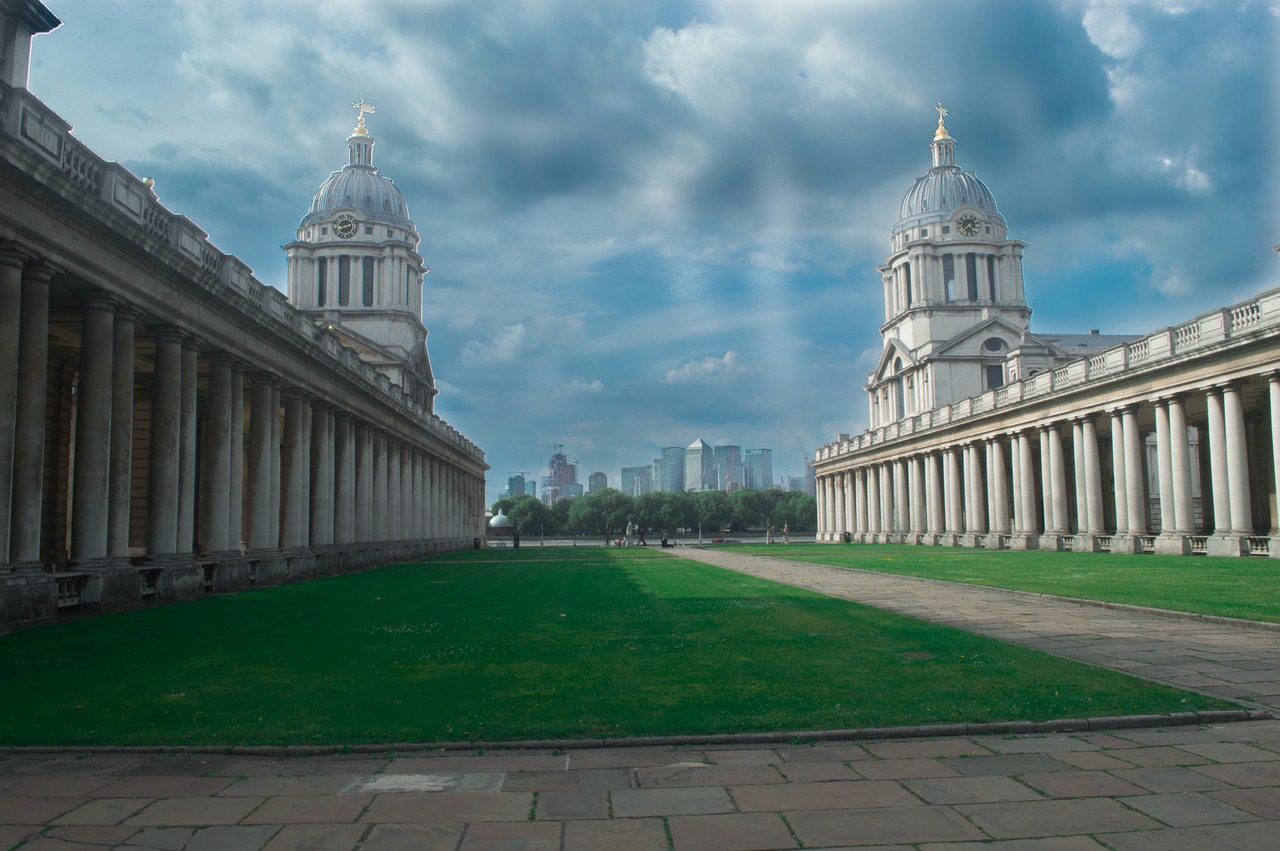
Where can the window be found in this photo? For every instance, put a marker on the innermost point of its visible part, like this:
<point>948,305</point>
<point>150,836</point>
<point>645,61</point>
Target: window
<point>367,288</point>
<point>322,269</point>
<point>368,230</point>
<point>995,376</point>
<point>906,278</point>
<point>995,344</point>
<point>946,229</point>
<point>324,231</point>
<point>344,280</point>
<point>924,231</point>
<point>949,275</point>
<point>971,276</point>
<point>991,276</point>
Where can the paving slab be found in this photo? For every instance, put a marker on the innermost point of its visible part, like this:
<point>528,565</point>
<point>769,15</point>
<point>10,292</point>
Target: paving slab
<point>735,832</point>
<point>1187,809</point>
<point>1054,818</point>
<point>413,837</point>
<point>317,837</point>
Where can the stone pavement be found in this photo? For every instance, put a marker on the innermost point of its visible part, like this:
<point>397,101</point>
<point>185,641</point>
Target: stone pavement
<point>1205,787</point>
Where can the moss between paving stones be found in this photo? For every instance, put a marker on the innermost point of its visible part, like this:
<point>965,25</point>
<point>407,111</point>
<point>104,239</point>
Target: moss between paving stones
<point>527,644</point>
<point>1244,588</point>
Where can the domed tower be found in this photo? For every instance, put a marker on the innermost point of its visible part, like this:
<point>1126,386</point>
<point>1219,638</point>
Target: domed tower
<point>953,300</point>
<point>355,268</point>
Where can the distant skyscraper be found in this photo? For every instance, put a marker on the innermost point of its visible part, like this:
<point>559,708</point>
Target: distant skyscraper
<point>560,475</point>
<point>727,468</point>
<point>637,480</point>
<point>597,482</point>
<point>699,466</point>
<point>759,469</point>
<point>515,485</point>
<point>672,477</point>
<point>531,487</point>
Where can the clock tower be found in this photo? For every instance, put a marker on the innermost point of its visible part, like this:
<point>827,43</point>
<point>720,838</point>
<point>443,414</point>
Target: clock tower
<point>953,296</point>
<point>354,268</point>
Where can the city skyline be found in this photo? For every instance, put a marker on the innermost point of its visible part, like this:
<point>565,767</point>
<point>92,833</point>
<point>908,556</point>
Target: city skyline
<point>667,218</point>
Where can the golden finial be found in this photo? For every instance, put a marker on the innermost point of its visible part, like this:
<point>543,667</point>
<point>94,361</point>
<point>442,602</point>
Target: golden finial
<point>943,112</point>
<point>361,130</point>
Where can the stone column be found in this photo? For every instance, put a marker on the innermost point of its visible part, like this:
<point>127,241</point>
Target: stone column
<point>1019,524</point>
<point>955,508</point>
<point>1164,467</point>
<point>10,313</point>
<point>1031,525</point>
<point>1077,457</point>
<point>321,492</point>
<point>1135,483</point>
<point>937,488</point>
<point>824,525</point>
<point>406,491</point>
<point>1093,477</point>
<point>364,483</point>
<point>343,487</point>
<point>29,413</point>
<point>1046,491</point>
<point>260,433</point>
<point>166,441</point>
<point>886,502</point>
<point>1237,462</point>
<point>187,452</point>
<point>918,495</point>
<point>1180,462</point>
<point>1058,472</point>
<point>379,496</point>
<point>393,490</point>
<point>998,485</point>
<point>277,490</point>
<point>860,504</point>
<point>235,513</point>
<point>978,486</point>
<point>215,459</point>
<point>295,468</point>
<point>121,485</point>
<point>1273,384</point>
<point>92,464</point>
<point>1118,479</point>
<point>902,502</point>
<point>873,505</point>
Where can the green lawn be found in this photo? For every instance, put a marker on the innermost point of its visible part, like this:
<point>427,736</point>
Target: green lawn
<point>1230,587</point>
<point>525,644</point>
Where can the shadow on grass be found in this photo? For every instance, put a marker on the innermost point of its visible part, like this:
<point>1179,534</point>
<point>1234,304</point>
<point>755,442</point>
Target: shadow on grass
<point>527,644</point>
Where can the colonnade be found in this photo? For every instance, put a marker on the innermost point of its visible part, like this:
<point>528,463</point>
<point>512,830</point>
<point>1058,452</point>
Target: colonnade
<point>139,460</point>
<point>1120,478</point>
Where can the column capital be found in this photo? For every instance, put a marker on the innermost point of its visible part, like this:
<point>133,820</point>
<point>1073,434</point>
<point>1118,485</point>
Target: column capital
<point>11,255</point>
<point>39,270</point>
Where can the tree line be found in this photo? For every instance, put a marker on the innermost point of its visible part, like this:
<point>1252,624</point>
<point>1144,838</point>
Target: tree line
<point>607,511</point>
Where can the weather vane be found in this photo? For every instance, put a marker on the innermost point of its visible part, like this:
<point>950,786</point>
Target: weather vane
<point>943,112</point>
<point>363,107</point>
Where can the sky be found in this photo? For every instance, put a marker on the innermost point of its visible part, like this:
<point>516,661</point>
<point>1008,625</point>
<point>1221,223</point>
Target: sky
<point>654,221</point>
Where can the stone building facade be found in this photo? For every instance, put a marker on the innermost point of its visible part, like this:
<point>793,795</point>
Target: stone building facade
<point>984,434</point>
<point>169,425</point>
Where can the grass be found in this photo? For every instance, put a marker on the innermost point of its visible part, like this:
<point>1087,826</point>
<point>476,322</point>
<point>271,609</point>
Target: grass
<point>1228,587</point>
<point>526,644</point>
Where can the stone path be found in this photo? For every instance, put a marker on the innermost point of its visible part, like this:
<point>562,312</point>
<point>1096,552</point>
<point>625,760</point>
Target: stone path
<point>1231,660</point>
<point>1193,787</point>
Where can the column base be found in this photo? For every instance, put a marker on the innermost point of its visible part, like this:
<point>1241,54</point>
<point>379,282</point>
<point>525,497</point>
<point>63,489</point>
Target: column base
<point>994,540</point>
<point>1125,545</point>
<point>1084,544</point>
<point>1052,542</point>
<point>970,540</point>
<point>948,539</point>
<point>1022,542</point>
<point>1173,544</point>
<point>28,597</point>
<point>1230,546</point>
<point>912,539</point>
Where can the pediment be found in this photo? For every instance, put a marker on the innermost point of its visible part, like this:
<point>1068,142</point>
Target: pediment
<point>893,349</point>
<point>969,342</point>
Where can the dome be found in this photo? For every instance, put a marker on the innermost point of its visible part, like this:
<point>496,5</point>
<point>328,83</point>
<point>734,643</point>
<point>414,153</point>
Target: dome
<point>501,521</point>
<point>359,187</point>
<point>363,188</point>
<point>946,188</point>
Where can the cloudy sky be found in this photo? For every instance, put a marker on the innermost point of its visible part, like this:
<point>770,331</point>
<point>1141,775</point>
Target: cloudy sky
<point>652,221</point>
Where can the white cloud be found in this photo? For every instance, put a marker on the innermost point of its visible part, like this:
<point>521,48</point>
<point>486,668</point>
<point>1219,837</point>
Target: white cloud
<point>711,370</point>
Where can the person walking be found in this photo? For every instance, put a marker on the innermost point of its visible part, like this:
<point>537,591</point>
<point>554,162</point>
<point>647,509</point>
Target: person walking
<point>786,534</point>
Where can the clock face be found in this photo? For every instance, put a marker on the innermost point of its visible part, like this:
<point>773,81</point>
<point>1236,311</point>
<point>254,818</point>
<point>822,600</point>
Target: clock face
<point>345,227</point>
<point>968,225</point>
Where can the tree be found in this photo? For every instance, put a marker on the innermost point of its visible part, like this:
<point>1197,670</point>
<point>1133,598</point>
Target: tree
<point>679,512</point>
<point>713,510</point>
<point>749,509</point>
<point>603,512</point>
<point>648,508</point>
<point>527,514</point>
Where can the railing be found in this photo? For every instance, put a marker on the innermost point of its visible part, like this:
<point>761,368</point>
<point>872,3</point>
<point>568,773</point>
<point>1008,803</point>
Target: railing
<point>1213,328</point>
<point>1259,546</point>
<point>1199,544</point>
<point>1147,543</point>
<point>1068,544</point>
<point>41,131</point>
<point>70,588</point>
<point>1104,543</point>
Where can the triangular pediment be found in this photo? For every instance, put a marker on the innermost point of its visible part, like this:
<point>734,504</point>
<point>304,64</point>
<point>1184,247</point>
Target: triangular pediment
<point>996,326</point>
<point>893,349</point>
